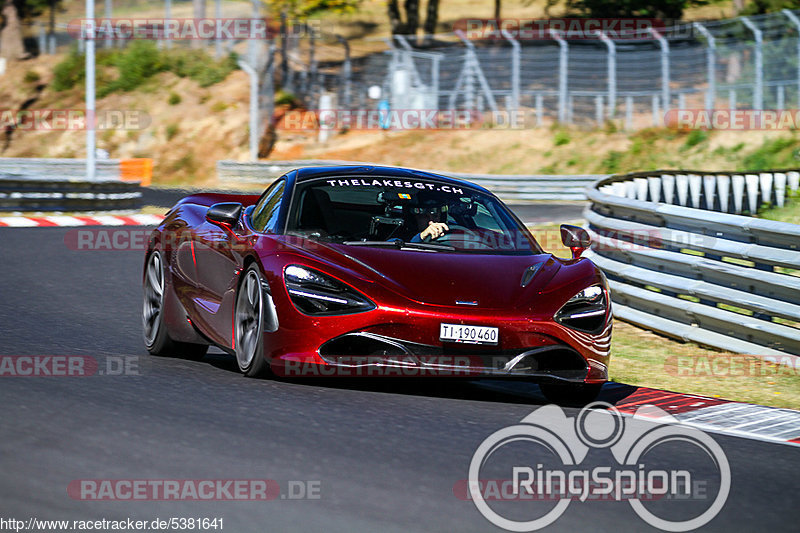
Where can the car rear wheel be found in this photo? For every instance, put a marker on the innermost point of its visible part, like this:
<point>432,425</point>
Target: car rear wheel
<point>575,394</point>
<point>249,325</point>
<point>156,336</point>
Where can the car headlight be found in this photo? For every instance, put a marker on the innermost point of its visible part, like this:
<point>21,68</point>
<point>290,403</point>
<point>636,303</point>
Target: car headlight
<point>314,293</point>
<point>586,311</point>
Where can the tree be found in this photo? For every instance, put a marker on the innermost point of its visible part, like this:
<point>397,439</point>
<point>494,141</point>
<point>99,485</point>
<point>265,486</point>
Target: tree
<point>14,12</point>
<point>660,9</point>
<point>410,25</point>
<point>300,10</point>
<point>431,17</point>
<point>11,46</point>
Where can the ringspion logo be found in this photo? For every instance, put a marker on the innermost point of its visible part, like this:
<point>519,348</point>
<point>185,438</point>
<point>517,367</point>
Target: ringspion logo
<point>543,459</point>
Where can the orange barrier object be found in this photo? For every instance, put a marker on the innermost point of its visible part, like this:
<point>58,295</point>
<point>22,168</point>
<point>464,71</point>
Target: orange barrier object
<point>138,169</point>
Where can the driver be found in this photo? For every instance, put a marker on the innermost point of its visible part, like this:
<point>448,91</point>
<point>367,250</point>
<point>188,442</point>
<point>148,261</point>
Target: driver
<point>428,219</point>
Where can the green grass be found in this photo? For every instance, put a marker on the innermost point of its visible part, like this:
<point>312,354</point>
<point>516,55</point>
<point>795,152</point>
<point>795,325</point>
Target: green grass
<point>783,152</point>
<point>644,359</point>
<point>790,212</point>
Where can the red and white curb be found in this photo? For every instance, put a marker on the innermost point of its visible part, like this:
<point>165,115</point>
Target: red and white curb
<point>77,220</point>
<point>714,415</point>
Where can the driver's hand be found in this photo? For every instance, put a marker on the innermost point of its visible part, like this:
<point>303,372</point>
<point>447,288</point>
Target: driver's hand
<point>434,230</point>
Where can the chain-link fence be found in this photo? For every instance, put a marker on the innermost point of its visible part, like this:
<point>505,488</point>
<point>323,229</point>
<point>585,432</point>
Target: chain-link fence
<point>745,63</point>
<point>742,63</point>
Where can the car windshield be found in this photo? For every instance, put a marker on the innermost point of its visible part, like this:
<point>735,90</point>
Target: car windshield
<point>373,211</point>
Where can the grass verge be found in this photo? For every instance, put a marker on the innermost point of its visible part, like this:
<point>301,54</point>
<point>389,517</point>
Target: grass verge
<point>645,359</point>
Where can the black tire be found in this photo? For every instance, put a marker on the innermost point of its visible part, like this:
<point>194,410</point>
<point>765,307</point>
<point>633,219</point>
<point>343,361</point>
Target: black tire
<point>248,321</point>
<point>574,394</point>
<point>156,337</point>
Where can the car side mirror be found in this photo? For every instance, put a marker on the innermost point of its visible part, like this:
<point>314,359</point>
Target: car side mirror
<point>576,239</point>
<point>225,213</point>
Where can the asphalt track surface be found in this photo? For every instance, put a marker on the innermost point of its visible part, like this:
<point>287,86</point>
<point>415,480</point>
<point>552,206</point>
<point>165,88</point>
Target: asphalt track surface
<point>386,454</point>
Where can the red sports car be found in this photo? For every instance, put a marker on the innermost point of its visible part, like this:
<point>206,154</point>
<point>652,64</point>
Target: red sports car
<point>375,271</point>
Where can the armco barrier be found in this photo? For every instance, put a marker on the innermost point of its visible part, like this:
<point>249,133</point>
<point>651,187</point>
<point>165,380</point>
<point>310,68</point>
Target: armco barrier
<point>38,184</point>
<point>24,193</point>
<point>508,187</point>
<point>680,262</point>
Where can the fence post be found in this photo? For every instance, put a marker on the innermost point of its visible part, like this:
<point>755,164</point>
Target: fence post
<point>42,40</point>
<point>253,107</point>
<point>612,73</point>
<point>473,68</point>
<point>267,89</point>
<point>346,71</point>
<point>662,42</point>
<point>791,16</point>
<point>598,109</point>
<point>435,79</point>
<point>656,118</point>
<point>731,98</point>
<point>90,114</point>
<point>781,97</point>
<point>514,69</point>
<point>217,40</point>
<point>539,109</point>
<point>629,112</point>
<point>758,96</point>
<point>107,41</point>
<point>711,65</point>
<point>563,59</point>
<point>168,15</point>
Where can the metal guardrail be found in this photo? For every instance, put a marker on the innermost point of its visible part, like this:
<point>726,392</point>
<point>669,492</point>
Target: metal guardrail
<point>36,193</point>
<point>511,188</point>
<point>700,272</point>
<point>38,184</point>
<point>57,168</point>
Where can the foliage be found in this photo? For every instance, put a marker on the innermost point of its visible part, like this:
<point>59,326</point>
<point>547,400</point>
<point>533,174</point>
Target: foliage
<point>694,138</point>
<point>561,138</point>
<point>773,153</point>
<point>661,9</point>
<point>69,72</point>
<point>302,9</point>
<point>31,76</point>
<point>138,63</point>
<point>758,7</point>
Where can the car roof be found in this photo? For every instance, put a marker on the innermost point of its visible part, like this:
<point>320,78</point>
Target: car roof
<point>308,173</point>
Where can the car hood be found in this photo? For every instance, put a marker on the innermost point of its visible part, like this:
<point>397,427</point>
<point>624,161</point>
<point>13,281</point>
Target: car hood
<point>442,278</point>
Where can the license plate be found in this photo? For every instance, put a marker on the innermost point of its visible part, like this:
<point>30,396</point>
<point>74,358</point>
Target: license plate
<point>468,334</point>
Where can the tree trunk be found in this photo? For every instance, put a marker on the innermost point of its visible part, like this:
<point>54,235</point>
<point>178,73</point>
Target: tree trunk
<point>431,19</point>
<point>11,45</point>
<point>412,16</point>
<point>395,20</point>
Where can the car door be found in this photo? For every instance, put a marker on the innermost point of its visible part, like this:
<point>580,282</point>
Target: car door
<point>219,251</point>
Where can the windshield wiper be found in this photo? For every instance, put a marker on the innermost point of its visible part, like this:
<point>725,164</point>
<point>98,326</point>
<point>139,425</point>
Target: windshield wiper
<point>400,244</point>
<point>394,243</point>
